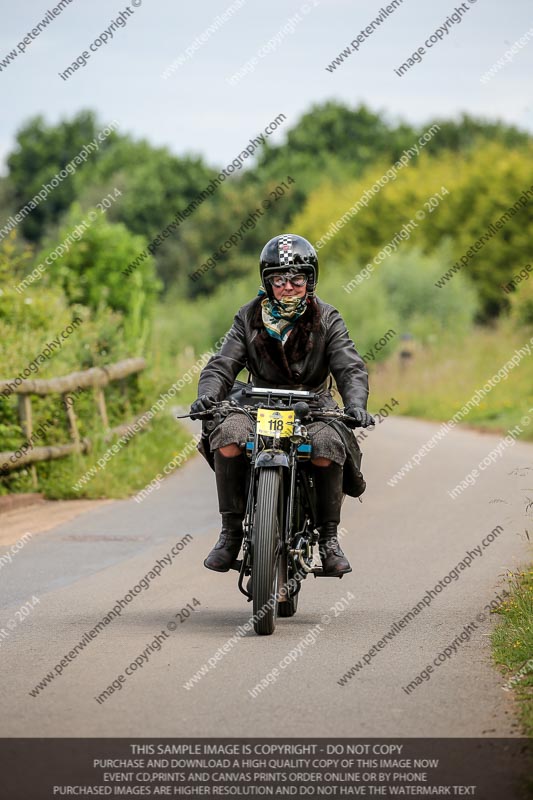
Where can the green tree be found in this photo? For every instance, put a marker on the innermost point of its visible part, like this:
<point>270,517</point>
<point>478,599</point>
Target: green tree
<point>155,184</point>
<point>330,140</point>
<point>229,214</point>
<point>332,131</point>
<point>480,185</point>
<point>467,133</point>
<point>41,152</point>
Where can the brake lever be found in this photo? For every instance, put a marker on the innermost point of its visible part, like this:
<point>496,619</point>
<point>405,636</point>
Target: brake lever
<point>350,422</point>
<point>198,415</point>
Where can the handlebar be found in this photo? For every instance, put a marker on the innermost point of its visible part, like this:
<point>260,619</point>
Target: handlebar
<point>301,408</point>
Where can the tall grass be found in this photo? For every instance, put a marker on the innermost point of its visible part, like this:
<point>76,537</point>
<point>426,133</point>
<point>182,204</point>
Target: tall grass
<point>512,643</point>
<point>441,377</point>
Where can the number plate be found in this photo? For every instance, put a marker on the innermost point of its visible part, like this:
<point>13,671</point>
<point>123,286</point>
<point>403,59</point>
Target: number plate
<point>270,421</point>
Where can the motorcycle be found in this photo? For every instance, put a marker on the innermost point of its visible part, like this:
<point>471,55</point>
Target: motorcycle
<point>280,518</point>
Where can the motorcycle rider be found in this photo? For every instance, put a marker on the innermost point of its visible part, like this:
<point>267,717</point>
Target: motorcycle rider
<point>287,338</point>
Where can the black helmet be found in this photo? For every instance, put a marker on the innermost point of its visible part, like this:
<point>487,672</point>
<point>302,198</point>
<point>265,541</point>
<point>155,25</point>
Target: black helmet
<point>289,253</point>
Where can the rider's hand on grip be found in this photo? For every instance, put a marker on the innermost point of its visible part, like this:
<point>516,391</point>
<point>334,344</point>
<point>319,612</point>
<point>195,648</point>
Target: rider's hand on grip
<point>361,418</point>
<point>201,405</point>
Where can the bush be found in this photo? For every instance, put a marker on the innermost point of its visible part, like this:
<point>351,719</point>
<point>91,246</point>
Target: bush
<point>30,319</point>
<point>90,272</point>
<point>522,296</point>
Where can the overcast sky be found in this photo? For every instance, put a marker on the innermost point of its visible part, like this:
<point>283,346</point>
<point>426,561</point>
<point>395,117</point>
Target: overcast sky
<point>197,110</point>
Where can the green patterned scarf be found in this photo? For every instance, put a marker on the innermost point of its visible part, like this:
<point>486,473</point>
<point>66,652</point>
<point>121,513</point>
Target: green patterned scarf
<point>280,316</point>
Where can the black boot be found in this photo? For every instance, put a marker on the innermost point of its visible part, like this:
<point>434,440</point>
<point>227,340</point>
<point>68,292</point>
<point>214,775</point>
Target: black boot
<point>231,474</point>
<point>329,493</point>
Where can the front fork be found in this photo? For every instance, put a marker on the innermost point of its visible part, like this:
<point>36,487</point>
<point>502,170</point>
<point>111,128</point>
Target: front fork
<point>265,459</point>
<point>305,539</point>
<point>299,556</point>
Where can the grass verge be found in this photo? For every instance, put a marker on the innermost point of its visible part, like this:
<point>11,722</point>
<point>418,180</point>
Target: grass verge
<point>512,643</point>
<point>127,472</point>
<point>442,377</point>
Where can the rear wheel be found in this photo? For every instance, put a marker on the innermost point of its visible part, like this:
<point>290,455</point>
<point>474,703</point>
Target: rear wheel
<point>286,608</point>
<point>266,537</point>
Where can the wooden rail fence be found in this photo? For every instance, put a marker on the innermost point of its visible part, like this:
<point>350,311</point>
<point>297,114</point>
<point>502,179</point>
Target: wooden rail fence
<point>97,378</point>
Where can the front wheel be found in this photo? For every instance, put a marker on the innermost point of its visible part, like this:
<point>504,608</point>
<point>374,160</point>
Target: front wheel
<point>266,537</point>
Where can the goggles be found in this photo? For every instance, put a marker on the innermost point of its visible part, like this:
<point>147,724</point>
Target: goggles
<point>298,279</point>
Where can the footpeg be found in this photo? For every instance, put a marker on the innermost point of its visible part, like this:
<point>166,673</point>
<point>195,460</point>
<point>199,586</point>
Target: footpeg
<point>318,572</point>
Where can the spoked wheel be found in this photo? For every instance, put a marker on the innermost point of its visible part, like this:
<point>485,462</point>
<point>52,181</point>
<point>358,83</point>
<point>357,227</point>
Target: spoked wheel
<point>287,607</point>
<point>266,538</point>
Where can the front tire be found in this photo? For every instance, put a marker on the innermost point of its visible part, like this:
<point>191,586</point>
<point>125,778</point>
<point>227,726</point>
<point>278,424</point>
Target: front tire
<point>266,537</point>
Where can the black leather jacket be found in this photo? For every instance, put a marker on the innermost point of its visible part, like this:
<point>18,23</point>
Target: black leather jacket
<point>319,345</point>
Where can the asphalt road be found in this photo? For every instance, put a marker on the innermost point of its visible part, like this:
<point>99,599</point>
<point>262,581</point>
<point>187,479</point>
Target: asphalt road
<point>401,541</point>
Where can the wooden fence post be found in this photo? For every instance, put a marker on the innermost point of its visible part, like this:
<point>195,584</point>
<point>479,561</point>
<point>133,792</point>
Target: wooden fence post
<point>100,402</point>
<point>26,423</point>
<point>72,421</point>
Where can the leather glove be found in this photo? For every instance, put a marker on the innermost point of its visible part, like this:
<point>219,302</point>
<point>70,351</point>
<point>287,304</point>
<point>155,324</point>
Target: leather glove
<point>361,417</point>
<point>200,405</point>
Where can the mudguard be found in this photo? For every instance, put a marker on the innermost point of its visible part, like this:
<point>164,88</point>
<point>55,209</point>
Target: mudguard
<point>272,458</point>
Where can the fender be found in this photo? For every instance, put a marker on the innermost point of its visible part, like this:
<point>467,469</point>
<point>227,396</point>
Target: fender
<point>272,458</point>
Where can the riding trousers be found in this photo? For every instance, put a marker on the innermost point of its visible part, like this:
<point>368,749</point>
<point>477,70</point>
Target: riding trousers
<point>325,441</point>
